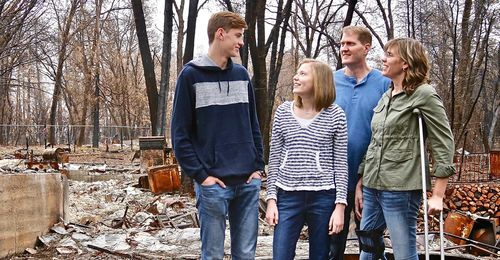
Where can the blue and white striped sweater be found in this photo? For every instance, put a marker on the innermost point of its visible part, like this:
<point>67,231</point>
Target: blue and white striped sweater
<point>308,158</point>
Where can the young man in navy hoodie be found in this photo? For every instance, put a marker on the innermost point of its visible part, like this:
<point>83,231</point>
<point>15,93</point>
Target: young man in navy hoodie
<point>217,141</point>
<point>358,89</point>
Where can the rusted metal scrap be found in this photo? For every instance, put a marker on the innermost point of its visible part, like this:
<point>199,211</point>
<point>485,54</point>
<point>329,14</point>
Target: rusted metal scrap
<point>462,228</point>
<point>50,158</point>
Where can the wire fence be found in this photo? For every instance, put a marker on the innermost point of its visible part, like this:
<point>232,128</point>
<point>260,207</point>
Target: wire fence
<point>477,167</point>
<point>20,135</point>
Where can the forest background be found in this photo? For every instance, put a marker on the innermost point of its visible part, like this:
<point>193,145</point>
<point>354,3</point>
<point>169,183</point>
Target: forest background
<point>82,71</point>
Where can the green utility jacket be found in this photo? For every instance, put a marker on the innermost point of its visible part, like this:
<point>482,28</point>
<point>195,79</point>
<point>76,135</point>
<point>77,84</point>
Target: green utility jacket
<point>392,161</point>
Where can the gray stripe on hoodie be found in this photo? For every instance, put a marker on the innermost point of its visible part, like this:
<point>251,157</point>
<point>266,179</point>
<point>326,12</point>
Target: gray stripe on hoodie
<point>210,93</point>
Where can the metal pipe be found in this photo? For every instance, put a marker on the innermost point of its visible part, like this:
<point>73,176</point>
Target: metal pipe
<point>424,181</point>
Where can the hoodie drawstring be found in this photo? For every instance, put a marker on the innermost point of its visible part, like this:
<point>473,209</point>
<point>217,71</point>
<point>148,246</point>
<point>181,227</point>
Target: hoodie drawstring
<point>220,87</point>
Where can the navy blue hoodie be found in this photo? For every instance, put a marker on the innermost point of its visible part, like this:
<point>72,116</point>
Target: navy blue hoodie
<point>214,127</point>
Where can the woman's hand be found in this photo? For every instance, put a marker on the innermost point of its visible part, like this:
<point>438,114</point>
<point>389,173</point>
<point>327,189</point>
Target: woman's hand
<point>435,205</point>
<point>435,202</point>
<point>337,220</point>
<point>272,212</point>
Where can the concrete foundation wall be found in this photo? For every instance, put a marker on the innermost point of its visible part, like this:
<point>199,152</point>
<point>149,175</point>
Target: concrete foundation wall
<point>30,204</point>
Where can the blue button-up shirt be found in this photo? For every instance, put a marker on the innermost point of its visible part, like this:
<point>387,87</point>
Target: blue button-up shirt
<point>358,99</point>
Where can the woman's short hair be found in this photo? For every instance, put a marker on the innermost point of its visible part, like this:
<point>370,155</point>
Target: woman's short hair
<point>414,54</point>
<point>323,84</point>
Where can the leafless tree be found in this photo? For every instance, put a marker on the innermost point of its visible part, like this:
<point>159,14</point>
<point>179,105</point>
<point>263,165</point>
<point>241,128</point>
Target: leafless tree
<point>64,22</point>
<point>179,10</point>
<point>147,63</point>
<point>165,66</point>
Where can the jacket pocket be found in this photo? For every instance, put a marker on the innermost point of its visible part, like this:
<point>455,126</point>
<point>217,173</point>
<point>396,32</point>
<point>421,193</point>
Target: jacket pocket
<point>283,163</point>
<point>298,161</point>
<point>379,108</point>
<point>398,155</point>
<point>401,107</point>
<point>318,164</point>
<point>370,152</point>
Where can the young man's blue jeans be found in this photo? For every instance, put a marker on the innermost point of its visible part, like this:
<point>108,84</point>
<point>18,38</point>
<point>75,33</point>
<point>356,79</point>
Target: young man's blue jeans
<point>396,210</point>
<point>240,203</point>
<point>295,208</point>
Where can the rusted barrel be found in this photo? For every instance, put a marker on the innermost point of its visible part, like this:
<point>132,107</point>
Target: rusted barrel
<point>54,154</point>
<point>164,178</point>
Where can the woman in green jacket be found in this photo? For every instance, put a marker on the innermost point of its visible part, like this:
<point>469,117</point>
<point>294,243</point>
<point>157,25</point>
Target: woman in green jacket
<point>391,173</point>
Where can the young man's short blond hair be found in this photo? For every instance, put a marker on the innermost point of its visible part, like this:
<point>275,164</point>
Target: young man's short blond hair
<point>225,20</point>
<point>364,35</point>
<point>323,84</point>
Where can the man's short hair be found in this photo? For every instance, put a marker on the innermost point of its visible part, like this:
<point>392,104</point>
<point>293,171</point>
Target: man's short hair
<point>364,35</point>
<point>225,20</point>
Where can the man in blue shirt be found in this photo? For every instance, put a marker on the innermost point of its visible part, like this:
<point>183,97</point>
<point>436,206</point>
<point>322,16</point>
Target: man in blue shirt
<point>358,90</point>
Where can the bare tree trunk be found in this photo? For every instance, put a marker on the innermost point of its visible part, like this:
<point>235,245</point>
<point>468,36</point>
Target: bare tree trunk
<point>282,19</point>
<point>464,60</point>
<point>65,38</point>
<point>484,54</point>
<point>244,51</point>
<point>472,108</point>
<point>495,111</point>
<point>191,31</point>
<point>295,41</point>
<point>387,16</point>
<point>491,129</point>
<point>95,113</point>
<point>165,66</point>
<point>258,53</point>
<point>147,63</point>
<point>87,88</point>
<point>186,182</point>
<point>97,65</point>
<point>347,21</point>
<point>180,34</point>
<point>350,11</point>
<point>229,6</point>
<point>454,67</point>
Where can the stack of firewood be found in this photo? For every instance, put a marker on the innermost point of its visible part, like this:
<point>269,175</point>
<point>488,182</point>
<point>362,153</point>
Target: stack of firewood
<point>478,198</point>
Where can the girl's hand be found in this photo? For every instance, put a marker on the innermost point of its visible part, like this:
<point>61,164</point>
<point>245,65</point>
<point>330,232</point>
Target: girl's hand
<point>337,220</point>
<point>272,212</point>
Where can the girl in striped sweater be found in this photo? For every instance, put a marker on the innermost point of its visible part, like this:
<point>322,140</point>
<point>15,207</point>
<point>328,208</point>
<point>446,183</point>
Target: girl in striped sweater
<point>307,181</point>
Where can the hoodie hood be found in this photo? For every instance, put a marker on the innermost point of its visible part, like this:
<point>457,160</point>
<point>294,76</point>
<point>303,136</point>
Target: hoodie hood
<point>204,62</point>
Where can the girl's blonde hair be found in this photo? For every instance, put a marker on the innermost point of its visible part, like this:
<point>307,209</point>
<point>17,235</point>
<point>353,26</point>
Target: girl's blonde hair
<point>323,84</point>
